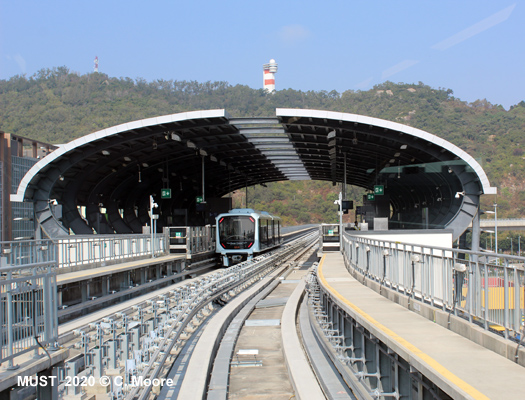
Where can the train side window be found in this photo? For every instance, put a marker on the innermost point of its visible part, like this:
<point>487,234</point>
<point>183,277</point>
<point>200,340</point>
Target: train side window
<point>263,229</point>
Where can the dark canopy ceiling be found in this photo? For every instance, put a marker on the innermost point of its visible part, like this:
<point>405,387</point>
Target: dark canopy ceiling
<point>117,169</point>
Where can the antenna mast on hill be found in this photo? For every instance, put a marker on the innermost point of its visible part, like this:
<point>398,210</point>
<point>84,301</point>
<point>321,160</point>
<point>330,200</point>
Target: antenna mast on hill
<point>95,69</point>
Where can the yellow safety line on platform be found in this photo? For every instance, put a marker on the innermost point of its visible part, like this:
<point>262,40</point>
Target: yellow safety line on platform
<point>403,342</point>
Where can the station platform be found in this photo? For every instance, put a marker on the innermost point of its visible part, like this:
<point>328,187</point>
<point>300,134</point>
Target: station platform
<point>462,368</point>
<point>86,274</point>
<point>89,289</point>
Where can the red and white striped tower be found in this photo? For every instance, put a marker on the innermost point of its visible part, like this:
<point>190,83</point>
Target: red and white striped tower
<point>269,71</point>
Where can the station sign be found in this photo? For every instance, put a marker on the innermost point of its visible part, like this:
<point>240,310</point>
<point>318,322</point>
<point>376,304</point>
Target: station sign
<point>370,196</point>
<point>165,193</point>
<point>379,190</point>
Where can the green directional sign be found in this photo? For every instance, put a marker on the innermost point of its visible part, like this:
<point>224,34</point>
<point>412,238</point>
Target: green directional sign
<point>198,199</point>
<point>165,193</point>
<point>379,190</point>
<point>370,196</point>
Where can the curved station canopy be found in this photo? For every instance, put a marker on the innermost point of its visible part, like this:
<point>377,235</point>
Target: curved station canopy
<point>102,182</point>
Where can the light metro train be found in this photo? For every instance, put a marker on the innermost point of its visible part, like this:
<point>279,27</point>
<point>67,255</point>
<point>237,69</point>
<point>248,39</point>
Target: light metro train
<point>244,233</point>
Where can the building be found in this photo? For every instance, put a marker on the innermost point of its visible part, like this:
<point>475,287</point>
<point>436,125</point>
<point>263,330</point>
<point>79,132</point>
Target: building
<point>17,156</point>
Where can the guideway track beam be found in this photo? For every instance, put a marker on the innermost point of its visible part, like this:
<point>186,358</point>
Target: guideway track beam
<point>219,386</point>
<point>196,379</point>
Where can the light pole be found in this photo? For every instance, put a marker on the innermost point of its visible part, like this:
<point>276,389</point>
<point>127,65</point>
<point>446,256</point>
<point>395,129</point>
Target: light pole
<point>496,226</point>
<point>495,212</point>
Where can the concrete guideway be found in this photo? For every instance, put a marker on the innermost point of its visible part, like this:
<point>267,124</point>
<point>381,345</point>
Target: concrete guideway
<point>503,224</point>
<point>459,367</point>
<point>334,384</point>
<point>301,374</point>
<point>272,330</point>
<point>209,350</point>
<point>195,380</point>
<point>256,351</point>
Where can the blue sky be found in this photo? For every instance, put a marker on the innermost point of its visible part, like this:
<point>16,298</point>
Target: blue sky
<point>475,48</point>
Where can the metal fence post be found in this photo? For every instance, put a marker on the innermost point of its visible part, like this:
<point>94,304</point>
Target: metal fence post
<point>506,299</point>
<point>10,321</point>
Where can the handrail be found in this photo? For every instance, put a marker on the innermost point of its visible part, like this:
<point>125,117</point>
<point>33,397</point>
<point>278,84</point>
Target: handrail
<point>80,250</point>
<point>29,316</point>
<point>485,288</point>
<point>77,250</point>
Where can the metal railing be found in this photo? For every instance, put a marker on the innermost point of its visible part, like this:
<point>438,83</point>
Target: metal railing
<point>78,250</point>
<point>22,252</point>
<point>484,288</point>
<point>201,239</point>
<point>191,240</point>
<point>28,315</point>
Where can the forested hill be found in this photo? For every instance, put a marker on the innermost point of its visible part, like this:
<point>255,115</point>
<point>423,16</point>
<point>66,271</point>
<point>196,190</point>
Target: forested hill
<point>56,106</point>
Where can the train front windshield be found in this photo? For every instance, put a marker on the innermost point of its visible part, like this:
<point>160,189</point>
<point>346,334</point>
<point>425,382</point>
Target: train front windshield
<point>237,232</point>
